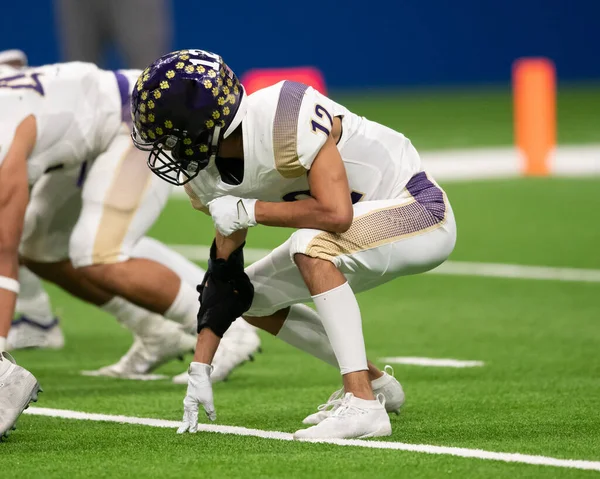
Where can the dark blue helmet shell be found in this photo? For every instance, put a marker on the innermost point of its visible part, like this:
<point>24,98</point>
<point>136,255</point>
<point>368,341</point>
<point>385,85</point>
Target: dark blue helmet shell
<point>182,105</point>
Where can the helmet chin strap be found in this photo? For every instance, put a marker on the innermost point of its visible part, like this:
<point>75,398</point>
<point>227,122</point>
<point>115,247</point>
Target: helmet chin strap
<point>214,144</point>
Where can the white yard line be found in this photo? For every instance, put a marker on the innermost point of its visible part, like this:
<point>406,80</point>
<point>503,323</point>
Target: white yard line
<point>517,271</point>
<point>283,436</point>
<point>454,268</point>
<point>433,362</point>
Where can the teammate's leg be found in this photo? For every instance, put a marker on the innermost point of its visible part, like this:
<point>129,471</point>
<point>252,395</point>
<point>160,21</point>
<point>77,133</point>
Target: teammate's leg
<point>240,342</point>
<point>35,325</point>
<point>33,301</point>
<point>52,213</point>
<point>121,200</point>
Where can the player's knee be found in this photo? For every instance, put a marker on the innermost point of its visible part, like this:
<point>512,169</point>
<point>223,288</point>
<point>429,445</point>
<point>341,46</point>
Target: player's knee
<point>48,271</point>
<point>96,273</point>
<point>32,265</point>
<point>306,250</point>
<point>309,252</point>
<point>305,262</point>
<point>272,323</point>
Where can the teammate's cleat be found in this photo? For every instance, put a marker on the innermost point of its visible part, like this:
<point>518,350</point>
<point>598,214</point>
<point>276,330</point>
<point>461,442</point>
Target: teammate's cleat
<point>239,344</point>
<point>387,385</point>
<point>166,341</point>
<point>181,378</point>
<point>18,387</point>
<point>28,333</point>
<point>352,418</point>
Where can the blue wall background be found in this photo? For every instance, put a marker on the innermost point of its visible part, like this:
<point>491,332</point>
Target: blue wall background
<point>363,43</point>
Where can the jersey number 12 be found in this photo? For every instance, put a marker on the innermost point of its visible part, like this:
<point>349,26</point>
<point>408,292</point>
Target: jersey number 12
<point>317,126</point>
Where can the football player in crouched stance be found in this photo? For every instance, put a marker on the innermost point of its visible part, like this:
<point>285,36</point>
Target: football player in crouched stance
<point>364,209</point>
<point>76,200</point>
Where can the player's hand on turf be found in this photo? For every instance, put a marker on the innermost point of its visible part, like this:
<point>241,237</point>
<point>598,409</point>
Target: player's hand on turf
<point>199,391</point>
<point>230,214</point>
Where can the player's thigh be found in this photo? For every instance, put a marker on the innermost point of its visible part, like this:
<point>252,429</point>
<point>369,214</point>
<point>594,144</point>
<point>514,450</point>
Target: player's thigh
<point>388,238</point>
<point>52,212</point>
<point>121,201</point>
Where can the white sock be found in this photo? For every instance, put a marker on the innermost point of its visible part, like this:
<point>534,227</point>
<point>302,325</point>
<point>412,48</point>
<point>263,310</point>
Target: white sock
<point>184,309</point>
<point>149,248</point>
<point>139,321</point>
<point>2,343</point>
<point>304,330</point>
<point>128,314</point>
<point>340,315</point>
<point>33,301</point>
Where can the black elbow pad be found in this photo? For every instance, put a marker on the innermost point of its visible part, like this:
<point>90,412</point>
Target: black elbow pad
<point>225,292</point>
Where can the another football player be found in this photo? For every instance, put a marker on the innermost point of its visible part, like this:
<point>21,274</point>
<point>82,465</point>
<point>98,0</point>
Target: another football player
<point>75,200</point>
<point>364,209</point>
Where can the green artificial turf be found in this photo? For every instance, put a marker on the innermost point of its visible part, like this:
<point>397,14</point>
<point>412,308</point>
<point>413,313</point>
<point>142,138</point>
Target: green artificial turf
<point>538,392</point>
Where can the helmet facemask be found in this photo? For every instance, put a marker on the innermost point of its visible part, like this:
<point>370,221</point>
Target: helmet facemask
<point>177,159</point>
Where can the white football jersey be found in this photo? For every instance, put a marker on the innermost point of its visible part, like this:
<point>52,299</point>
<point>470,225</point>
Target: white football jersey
<point>284,129</point>
<point>78,111</point>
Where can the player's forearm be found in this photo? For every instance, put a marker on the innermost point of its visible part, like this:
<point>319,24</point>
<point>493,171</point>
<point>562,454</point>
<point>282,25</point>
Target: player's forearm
<point>11,227</point>
<point>9,267</point>
<point>11,220</point>
<point>308,213</point>
<point>228,244</point>
<point>206,346</point>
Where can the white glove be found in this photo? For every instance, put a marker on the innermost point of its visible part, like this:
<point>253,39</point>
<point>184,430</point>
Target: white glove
<point>199,391</point>
<point>230,214</point>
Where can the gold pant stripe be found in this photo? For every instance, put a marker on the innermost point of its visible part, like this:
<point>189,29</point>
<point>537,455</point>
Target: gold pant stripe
<point>376,228</point>
<point>123,198</point>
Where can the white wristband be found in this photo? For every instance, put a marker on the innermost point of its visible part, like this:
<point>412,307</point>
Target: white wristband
<point>10,284</point>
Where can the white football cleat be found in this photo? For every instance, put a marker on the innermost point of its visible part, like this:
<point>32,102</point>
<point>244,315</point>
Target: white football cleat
<point>28,333</point>
<point>352,418</point>
<point>164,342</point>
<point>18,387</point>
<point>238,345</point>
<point>181,378</point>
<point>387,385</point>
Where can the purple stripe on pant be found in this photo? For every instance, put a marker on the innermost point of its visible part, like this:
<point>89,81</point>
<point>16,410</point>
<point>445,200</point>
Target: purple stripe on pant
<point>427,194</point>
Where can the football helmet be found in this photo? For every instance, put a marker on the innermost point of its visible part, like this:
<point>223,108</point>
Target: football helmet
<point>182,107</point>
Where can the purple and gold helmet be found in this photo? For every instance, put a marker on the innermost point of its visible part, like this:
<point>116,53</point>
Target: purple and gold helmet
<point>182,106</point>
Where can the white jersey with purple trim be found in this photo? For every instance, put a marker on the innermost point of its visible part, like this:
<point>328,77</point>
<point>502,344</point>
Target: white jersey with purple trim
<point>78,111</point>
<point>283,131</point>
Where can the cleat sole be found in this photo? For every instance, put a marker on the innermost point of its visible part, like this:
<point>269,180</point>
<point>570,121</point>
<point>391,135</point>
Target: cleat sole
<point>32,398</point>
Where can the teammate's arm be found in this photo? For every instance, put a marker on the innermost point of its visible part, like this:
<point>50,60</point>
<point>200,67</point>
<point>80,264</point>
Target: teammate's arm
<point>330,205</point>
<point>14,196</point>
